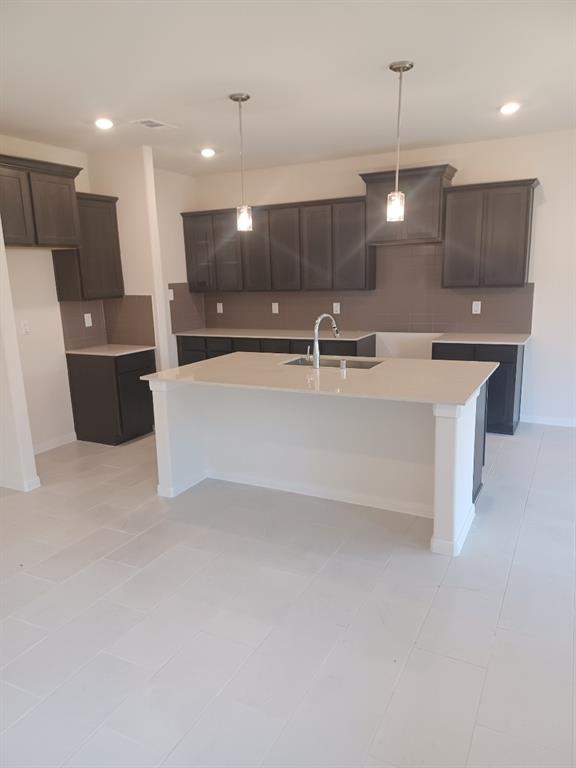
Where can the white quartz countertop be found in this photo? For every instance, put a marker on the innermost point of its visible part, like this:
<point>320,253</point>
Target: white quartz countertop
<point>516,339</point>
<point>450,382</point>
<point>267,333</point>
<point>110,350</point>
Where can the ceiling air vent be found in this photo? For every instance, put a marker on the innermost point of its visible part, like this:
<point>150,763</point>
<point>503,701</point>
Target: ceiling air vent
<point>147,122</point>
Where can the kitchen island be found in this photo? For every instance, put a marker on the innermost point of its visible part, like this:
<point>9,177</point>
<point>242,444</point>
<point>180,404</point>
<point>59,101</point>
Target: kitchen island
<point>395,434</point>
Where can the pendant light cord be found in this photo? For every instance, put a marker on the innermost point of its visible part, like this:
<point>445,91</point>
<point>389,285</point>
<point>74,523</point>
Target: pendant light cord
<point>241,152</point>
<point>398,129</point>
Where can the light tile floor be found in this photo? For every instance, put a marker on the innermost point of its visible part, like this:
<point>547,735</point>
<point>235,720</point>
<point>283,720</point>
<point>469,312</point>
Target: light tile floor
<point>235,626</point>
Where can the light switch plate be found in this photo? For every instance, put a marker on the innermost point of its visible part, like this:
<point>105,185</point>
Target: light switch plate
<point>336,308</point>
<point>275,308</point>
<point>476,307</point>
<point>87,319</point>
<point>219,308</point>
<point>170,294</point>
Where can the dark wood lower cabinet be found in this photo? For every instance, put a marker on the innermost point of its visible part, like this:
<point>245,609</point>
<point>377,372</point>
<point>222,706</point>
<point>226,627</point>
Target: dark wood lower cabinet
<point>193,349</point>
<point>504,387</point>
<point>110,403</point>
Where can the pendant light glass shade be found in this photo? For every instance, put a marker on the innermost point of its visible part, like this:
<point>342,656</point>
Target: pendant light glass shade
<point>243,211</point>
<point>395,207</point>
<point>244,218</point>
<point>396,202</point>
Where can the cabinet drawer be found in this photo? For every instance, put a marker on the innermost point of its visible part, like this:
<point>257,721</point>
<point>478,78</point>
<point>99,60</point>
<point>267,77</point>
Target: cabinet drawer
<point>344,348</point>
<point>137,361</point>
<point>497,353</point>
<point>452,351</point>
<point>192,343</point>
<point>216,354</point>
<point>186,358</point>
<point>301,346</point>
<point>246,345</point>
<point>275,345</point>
<point>218,344</point>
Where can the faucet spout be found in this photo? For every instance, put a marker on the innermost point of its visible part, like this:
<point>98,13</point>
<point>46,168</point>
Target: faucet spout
<point>335,332</point>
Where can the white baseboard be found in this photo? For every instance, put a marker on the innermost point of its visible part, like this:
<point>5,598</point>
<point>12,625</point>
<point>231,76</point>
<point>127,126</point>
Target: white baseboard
<point>170,491</point>
<point>453,548</point>
<point>29,484</point>
<point>54,442</point>
<point>563,422</point>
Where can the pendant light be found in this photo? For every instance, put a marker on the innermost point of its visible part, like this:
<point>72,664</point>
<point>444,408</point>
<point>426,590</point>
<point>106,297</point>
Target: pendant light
<point>243,211</point>
<point>395,203</point>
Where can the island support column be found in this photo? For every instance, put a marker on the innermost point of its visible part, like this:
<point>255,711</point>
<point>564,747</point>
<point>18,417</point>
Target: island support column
<point>455,427</point>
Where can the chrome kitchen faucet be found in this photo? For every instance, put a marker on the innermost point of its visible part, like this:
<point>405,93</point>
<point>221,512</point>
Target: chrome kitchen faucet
<point>335,331</point>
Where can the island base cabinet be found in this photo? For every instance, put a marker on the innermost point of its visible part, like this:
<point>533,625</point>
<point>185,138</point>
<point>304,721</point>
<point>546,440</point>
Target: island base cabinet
<point>109,401</point>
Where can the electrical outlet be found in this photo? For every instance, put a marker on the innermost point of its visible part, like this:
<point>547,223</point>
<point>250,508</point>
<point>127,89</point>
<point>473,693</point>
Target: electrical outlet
<point>476,307</point>
<point>219,308</point>
<point>336,308</point>
<point>275,308</point>
<point>25,327</point>
<point>87,319</point>
<point>170,294</point>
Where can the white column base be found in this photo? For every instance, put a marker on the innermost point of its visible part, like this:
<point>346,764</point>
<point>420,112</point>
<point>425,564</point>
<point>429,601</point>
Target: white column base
<point>453,548</point>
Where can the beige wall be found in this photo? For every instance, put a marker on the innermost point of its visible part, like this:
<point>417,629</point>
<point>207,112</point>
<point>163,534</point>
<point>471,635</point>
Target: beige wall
<point>550,368</point>
<point>35,303</point>
<point>174,193</point>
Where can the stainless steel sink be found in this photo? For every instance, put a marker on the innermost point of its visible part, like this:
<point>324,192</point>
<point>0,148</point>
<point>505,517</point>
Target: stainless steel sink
<point>327,363</point>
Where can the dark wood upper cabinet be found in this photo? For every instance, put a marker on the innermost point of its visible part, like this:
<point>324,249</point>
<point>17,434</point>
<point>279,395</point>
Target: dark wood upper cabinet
<point>38,203</point>
<point>423,216</point>
<point>353,264</point>
<point>256,253</point>
<point>316,255</point>
<point>227,253</point>
<point>463,246</point>
<point>199,247</point>
<point>487,234</point>
<point>285,248</point>
<point>16,207</point>
<point>93,271</point>
<point>55,210</point>
<point>317,245</point>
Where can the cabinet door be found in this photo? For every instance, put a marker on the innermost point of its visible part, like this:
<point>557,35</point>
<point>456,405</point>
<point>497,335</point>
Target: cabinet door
<point>285,248</point>
<point>349,245</point>
<point>463,238</point>
<point>227,255</point>
<point>316,255</point>
<point>55,209</point>
<point>199,247</point>
<point>94,395</point>
<point>99,255</point>
<point>256,253</point>
<point>136,409</point>
<point>506,239</point>
<point>16,207</point>
<point>501,388</point>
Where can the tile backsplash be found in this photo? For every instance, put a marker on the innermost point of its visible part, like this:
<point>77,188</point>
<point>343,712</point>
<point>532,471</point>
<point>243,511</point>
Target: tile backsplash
<point>126,320</point>
<point>408,297</point>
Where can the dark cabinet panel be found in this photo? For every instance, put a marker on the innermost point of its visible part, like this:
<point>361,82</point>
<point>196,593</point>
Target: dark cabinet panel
<point>218,344</point>
<point>192,343</point>
<point>100,260</point>
<point>504,385</point>
<point>246,345</point>
<point>463,243</point>
<point>256,253</point>
<point>186,358</point>
<point>423,189</point>
<point>479,442</point>
<point>487,234</point>
<point>55,210</point>
<point>507,235</point>
<point>199,248</point>
<point>16,207</point>
<point>316,254</point>
<point>353,264</point>
<point>285,248</point>
<point>93,271</point>
<point>109,402</point>
<point>281,346</point>
<point>227,254</point>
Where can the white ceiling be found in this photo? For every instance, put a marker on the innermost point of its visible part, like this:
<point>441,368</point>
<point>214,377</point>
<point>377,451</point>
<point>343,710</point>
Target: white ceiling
<point>317,72</point>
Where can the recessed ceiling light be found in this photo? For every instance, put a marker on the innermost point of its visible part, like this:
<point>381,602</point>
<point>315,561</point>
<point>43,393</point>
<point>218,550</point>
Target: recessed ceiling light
<point>104,123</point>
<point>208,152</point>
<point>510,108</point>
